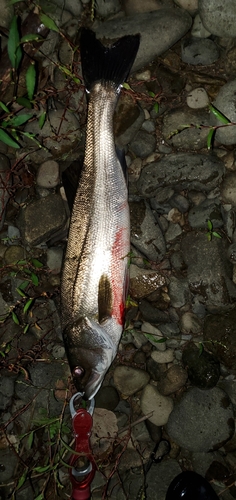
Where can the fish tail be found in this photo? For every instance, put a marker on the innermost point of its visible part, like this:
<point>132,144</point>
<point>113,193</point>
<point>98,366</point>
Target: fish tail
<point>107,64</point>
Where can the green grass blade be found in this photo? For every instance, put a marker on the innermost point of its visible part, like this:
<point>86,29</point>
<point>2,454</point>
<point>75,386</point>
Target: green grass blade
<point>16,121</point>
<point>7,139</point>
<point>31,38</point>
<point>13,47</point>
<point>210,138</point>
<point>220,116</point>
<point>30,80</point>
<point>48,22</point>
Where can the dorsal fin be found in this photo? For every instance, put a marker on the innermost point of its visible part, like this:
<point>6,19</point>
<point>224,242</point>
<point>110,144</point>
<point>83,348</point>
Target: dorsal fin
<point>104,298</point>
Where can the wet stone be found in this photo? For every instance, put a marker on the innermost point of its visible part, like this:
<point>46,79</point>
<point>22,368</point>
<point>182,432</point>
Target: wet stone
<point>197,98</point>
<point>226,103</point>
<point>14,253</point>
<point>199,254</point>
<point>129,380</point>
<point>199,51</point>
<point>220,330</point>
<point>150,313</point>
<point>207,210</point>
<point>180,170</point>
<point>228,188</point>
<point>154,335</point>
<point>217,18</point>
<point>178,291</point>
<point>172,380</point>
<point>54,259</point>
<point>146,235</point>
<point>213,426</point>
<point>41,219</point>
<point>163,357</point>
<point>190,137</point>
<point>143,144</point>
<point>48,174</point>
<point>144,281</point>
<point>190,323</point>
<point>153,401</point>
<point>203,368</point>
<point>107,397</point>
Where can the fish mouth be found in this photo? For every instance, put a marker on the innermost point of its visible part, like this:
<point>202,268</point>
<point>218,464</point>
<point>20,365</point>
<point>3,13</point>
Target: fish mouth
<point>90,353</point>
<point>87,383</point>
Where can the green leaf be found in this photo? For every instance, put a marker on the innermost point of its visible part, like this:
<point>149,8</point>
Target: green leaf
<point>48,22</point>
<point>14,1</point>
<point>21,262</point>
<point>7,139</point>
<point>156,107</point>
<point>209,236</point>
<point>22,480</point>
<point>126,86</point>
<point>27,305</point>
<point>36,263</point>
<point>13,47</point>
<point>30,439</point>
<point>21,293</point>
<point>210,138</point>
<point>220,116</point>
<point>16,121</point>
<point>39,497</point>
<point>30,80</point>
<point>42,469</point>
<point>31,38</point>
<point>217,235</point>
<point>209,225</point>
<point>4,107</point>
<point>26,328</point>
<point>23,285</point>
<point>34,279</point>
<point>15,318</point>
<point>23,101</point>
<point>42,119</point>
<point>201,348</point>
<point>151,93</point>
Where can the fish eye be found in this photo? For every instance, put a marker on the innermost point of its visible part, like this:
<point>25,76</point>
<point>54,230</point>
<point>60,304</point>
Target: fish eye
<point>78,372</point>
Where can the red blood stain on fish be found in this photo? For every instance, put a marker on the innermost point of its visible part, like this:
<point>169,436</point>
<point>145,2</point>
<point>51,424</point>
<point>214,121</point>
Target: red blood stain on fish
<point>118,276</point>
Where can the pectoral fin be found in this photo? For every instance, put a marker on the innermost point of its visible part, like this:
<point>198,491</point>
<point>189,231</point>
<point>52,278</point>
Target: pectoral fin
<point>104,298</point>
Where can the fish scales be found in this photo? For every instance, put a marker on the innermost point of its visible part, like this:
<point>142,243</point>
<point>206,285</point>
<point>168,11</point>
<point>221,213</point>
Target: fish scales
<point>94,277</point>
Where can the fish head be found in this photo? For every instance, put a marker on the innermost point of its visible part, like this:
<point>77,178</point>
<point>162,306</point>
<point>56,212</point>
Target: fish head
<point>90,352</point>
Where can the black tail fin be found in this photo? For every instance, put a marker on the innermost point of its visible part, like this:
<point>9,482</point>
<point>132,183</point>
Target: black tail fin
<point>100,63</point>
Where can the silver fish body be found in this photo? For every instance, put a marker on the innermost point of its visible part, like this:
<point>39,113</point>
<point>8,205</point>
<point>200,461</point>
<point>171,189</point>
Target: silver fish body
<point>94,278</point>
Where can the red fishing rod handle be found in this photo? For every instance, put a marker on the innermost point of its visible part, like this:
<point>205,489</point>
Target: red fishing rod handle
<point>83,464</point>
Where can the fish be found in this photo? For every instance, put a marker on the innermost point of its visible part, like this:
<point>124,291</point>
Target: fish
<point>95,271</point>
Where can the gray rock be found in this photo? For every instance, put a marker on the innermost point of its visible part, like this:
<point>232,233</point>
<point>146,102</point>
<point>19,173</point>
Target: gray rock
<point>159,31</point>
<point>130,380</point>
<point>197,98</point>
<point>164,357</point>
<point>177,260</point>
<point>188,136</point>
<point>172,380</point>
<point>6,391</point>
<point>128,119</point>
<point>14,253</point>
<point>7,13</point>
<point>108,8</point>
<point>169,329</point>
<point>154,336</point>
<point>144,281</point>
<point>180,202</point>
<point>213,426</point>
<point>54,259</point>
<point>220,332</point>
<point>228,188</point>
<point>226,103</point>
<point>203,368</point>
<point>190,323</point>
<point>211,282</point>
<point>178,291</point>
<point>199,51</point>
<point>207,210</point>
<point>218,18</point>
<point>13,234</point>
<point>41,219</point>
<point>160,482</point>
<point>173,231</point>
<point>198,30</point>
<point>107,397</point>
<point>152,401</point>
<point>48,174</point>
<point>146,235</point>
<point>8,461</point>
<point>143,144</point>
<point>152,314</point>
<point>180,170</point>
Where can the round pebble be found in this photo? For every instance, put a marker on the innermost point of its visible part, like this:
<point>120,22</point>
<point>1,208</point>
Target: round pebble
<point>197,98</point>
<point>129,380</point>
<point>153,401</point>
<point>48,174</point>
